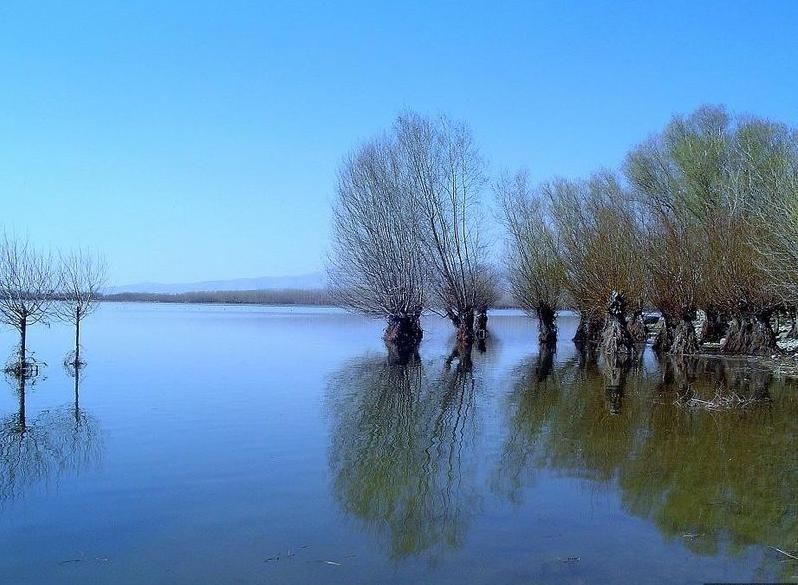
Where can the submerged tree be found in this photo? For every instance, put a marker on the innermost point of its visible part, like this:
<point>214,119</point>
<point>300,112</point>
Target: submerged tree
<point>599,231</point>
<point>710,185</point>
<point>447,176</point>
<point>377,266</point>
<point>82,277</point>
<point>27,287</point>
<point>533,259</point>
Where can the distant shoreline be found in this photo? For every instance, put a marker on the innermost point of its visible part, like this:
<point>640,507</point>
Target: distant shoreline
<point>265,298</point>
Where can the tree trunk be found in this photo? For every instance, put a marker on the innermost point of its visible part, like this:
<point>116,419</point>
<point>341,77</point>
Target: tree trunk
<point>616,339</point>
<point>481,324</point>
<point>402,337</point>
<point>664,338</point>
<point>77,341</point>
<point>750,334</point>
<point>547,327</point>
<point>637,327</point>
<point>465,330</point>
<point>713,326</point>
<point>588,331</point>
<point>684,340</point>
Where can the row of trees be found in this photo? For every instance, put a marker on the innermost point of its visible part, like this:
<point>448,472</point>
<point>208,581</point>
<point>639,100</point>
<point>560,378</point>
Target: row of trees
<point>702,216</point>
<point>37,287</point>
<point>407,234</point>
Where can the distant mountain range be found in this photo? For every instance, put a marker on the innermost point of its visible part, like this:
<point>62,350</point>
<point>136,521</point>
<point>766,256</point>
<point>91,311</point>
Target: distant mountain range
<point>312,280</point>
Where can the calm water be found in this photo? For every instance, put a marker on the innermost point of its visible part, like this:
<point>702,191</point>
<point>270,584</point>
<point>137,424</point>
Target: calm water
<point>211,445</point>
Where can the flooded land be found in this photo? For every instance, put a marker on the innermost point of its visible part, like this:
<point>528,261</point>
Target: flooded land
<point>255,445</point>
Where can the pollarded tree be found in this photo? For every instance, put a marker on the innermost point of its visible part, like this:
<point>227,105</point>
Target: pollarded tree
<point>760,171</point>
<point>533,260</point>
<point>377,265</point>
<point>677,178</point>
<point>599,230</point>
<point>28,283</point>
<point>447,177</point>
<point>83,275</point>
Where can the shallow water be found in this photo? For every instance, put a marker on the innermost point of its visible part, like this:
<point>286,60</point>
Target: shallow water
<point>212,444</point>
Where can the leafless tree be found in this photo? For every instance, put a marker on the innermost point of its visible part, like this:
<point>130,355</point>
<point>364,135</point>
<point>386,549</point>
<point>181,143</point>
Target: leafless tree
<point>28,283</point>
<point>447,177</point>
<point>377,266</point>
<point>533,260</point>
<point>83,275</point>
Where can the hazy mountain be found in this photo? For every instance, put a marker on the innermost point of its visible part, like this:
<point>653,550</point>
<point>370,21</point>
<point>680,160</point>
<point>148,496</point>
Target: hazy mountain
<point>301,281</point>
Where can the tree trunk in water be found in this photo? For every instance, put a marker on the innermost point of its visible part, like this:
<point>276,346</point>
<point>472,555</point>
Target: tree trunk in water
<point>664,338</point>
<point>77,342</point>
<point>588,331</point>
<point>750,335</point>
<point>616,339</point>
<point>684,340</point>
<point>402,337</point>
<point>481,324</point>
<point>637,327</point>
<point>713,327</point>
<point>465,329</point>
<point>547,328</point>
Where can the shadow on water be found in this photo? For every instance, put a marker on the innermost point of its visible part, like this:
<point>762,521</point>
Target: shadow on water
<point>719,480</point>
<point>54,443</point>
<point>401,446</point>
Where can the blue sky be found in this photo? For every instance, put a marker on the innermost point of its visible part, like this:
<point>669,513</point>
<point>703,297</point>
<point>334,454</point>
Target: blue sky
<point>200,140</point>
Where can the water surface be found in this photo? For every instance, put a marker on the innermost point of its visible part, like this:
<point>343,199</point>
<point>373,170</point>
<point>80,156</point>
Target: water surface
<point>214,444</point>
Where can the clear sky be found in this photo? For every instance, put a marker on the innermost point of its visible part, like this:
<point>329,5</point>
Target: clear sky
<point>199,140</point>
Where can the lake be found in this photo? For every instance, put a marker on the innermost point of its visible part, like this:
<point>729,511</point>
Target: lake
<point>258,445</point>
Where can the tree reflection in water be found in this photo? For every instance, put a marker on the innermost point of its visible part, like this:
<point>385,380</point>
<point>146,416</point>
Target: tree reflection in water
<point>55,442</point>
<point>401,450</point>
<point>714,480</point>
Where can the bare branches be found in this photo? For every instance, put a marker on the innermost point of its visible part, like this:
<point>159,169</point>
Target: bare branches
<point>377,265</point>
<point>27,287</point>
<point>83,276</point>
<point>447,176</point>
<point>533,257</point>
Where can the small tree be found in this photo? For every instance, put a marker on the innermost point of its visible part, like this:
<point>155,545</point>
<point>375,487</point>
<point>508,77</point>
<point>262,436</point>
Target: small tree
<point>83,275</point>
<point>533,260</point>
<point>447,176</point>
<point>377,266</point>
<point>27,287</point>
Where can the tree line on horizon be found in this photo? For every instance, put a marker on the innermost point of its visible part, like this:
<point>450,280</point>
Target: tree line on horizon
<point>39,287</point>
<point>700,217</point>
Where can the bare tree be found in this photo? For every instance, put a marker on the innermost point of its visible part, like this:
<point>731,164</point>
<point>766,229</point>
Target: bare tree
<point>83,275</point>
<point>534,265</point>
<point>447,177</point>
<point>27,287</point>
<point>377,266</point>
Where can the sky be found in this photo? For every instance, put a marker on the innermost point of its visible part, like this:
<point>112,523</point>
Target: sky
<point>200,140</point>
